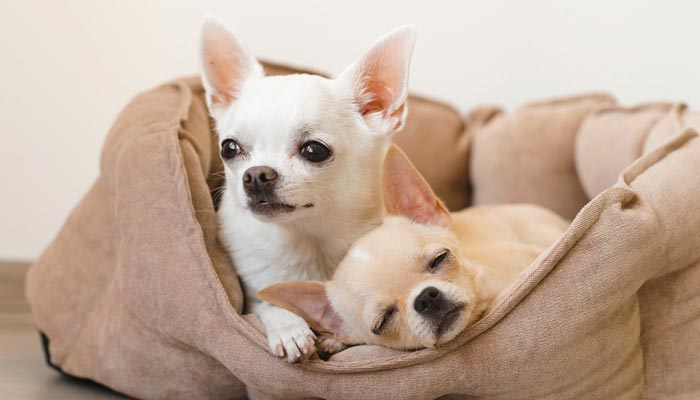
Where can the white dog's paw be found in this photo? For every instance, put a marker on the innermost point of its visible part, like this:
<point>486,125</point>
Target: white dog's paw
<point>329,346</point>
<point>296,342</point>
<point>287,333</point>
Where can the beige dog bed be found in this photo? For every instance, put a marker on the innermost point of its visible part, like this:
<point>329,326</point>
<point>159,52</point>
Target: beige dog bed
<point>137,294</point>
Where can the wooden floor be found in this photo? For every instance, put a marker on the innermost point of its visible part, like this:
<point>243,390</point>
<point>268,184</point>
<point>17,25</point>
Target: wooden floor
<point>23,372</point>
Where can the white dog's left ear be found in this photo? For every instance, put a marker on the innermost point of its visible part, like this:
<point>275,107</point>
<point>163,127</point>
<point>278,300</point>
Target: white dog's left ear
<point>379,79</point>
<point>226,65</point>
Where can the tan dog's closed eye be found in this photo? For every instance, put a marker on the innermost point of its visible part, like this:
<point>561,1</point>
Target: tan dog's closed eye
<point>424,275</point>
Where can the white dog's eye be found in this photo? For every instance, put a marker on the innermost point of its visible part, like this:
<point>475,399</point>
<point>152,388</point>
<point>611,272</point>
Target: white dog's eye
<point>229,149</point>
<point>437,261</point>
<point>315,152</point>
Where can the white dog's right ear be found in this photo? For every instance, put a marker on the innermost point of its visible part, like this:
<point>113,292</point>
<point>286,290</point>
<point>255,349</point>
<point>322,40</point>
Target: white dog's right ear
<point>406,193</point>
<point>379,79</point>
<point>226,65</point>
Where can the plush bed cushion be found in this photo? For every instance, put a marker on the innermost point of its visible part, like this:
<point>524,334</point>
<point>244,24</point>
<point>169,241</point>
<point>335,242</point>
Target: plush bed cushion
<point>527,156</point>
<point>610,139</point>
<point>136,293</point>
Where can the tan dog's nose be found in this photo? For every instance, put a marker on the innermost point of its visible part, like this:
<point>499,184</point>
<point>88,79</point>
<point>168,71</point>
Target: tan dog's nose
<point>429,302</point>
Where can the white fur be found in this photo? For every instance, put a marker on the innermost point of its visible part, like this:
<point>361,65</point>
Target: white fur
<point>361,255</point>
<point>270,118</point>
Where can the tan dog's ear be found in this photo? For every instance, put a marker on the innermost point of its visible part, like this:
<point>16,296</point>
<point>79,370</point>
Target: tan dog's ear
<point>407,194</point>
<point>308,300</point>
<point>379,79</point>
<point>226,65</point>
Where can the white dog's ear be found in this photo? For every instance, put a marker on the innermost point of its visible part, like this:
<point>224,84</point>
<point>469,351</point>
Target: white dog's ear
<point>379,79</point>
<point>226,65</point>
<point>308,300</point>
<point>407,194</point>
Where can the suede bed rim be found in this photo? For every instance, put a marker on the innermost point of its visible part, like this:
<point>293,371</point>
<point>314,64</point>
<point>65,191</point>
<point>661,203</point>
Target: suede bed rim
<point>529,279</point>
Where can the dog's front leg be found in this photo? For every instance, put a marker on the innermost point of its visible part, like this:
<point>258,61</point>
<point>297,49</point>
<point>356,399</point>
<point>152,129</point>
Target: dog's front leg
<point>287,333</point>
<point>327,346</point>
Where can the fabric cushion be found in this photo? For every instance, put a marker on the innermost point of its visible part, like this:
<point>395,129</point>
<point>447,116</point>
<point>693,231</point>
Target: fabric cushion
<point>611,139</point>
<point>528,156</point>
<point>676,119</point>
<point>136,293</point>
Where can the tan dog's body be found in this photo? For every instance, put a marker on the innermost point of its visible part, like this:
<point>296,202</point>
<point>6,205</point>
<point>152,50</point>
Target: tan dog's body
<point>424,275</point>
<point>504,239</point>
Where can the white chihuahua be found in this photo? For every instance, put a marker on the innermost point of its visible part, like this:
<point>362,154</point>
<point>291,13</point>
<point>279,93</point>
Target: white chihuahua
<point>302,159</point>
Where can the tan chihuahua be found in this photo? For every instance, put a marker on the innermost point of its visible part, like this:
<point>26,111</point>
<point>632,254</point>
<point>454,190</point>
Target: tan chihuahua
<point>424,275</point>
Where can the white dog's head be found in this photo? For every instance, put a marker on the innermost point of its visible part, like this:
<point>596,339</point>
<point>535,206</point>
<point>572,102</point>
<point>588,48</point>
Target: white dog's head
<point>301,146</point>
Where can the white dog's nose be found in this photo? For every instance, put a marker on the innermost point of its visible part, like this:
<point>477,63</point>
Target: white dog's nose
<point>259,179</point>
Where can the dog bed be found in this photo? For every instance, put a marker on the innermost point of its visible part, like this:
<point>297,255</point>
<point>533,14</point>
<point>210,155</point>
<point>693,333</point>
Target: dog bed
<point>137,294</point>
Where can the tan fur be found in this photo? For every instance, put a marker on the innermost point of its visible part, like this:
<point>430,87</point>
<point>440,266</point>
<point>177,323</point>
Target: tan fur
<point>387,268</point>
<point>506,238</point>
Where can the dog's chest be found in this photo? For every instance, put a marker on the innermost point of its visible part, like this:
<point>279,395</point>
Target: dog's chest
<point>264,254</point>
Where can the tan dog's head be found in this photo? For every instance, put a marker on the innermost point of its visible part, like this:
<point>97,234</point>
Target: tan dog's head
<point>403,285</point>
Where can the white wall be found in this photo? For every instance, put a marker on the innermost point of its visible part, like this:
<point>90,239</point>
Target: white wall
<point>68,67</point>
